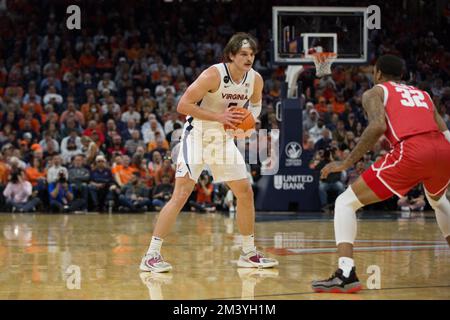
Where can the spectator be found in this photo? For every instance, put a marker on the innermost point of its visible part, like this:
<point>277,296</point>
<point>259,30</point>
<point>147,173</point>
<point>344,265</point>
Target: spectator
<point>70,146</point>
<point>60,195</point>
<point>169,126</point>
<point>47,140</point>
<point>131,126</point>
<point>79,177</point>
<point>147,175</point>
<point>332,182</point>
<point>53,97</point>
<point>100,182</point>
<point>177,133</point>
<point>160,144</point>
<point>316,132</point>
<point>116,147</point>
<point>162,192</point>
<point>131,113</point>
<point>106,83</point>
<point>175,69</point>
<point>89,149</point>
<point>166,169</point>
<point>92,129</point>
<point>123,172</point>
<point>135,195</point>
<point>36,174</point>
<point>87,60</point>
<point>4,176</point>
<point>311,120</point>
<point>132,144</point>
<point>156,161</point>
<point>414,200</point>
<point>164,87</point>
<point>204,193</point>
<point>110,106</point>
<point>324,142</point>
<point>355,173</point>
<point>149,128</point>
<point>72,112</point>
<point>18,193</point>
<point>55,168</point>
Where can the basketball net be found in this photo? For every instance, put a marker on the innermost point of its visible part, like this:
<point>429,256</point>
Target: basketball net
<point>323,61</point>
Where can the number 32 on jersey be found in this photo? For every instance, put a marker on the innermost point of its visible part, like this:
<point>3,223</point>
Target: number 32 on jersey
<point>411,97</point>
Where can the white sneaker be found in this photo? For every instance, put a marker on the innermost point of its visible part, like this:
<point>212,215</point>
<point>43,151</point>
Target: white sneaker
<point>255,259</point>
<point>154,262</point>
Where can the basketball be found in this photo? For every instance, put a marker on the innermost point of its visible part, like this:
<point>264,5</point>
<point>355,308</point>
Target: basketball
<point>248,123</point>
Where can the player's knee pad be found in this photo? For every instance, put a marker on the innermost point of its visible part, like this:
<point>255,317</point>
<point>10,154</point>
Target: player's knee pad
<point>348,199</point>
<point>442,210</point>
<point>345,216</point>
<point>441,203</point>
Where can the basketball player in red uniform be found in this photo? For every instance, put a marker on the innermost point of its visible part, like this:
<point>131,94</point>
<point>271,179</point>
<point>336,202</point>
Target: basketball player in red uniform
<point>420,153</point>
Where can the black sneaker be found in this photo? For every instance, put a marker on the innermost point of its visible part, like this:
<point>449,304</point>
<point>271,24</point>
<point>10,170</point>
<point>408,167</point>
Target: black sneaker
<point>337,283</point>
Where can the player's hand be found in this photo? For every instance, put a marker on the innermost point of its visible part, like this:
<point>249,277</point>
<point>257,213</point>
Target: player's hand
<point>231,118</point>
<point>335,166</point>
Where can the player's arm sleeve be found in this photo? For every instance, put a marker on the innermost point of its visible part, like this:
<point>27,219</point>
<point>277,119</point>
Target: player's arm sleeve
<point>255,103</point>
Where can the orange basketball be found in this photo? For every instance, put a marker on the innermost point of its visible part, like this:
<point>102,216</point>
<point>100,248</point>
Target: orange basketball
<point>246,126</point>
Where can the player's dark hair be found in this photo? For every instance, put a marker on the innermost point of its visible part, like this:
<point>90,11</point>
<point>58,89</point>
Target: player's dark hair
<point>391,66</point>
<point>235,43</point>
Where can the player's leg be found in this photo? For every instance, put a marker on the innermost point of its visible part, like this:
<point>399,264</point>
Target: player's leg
<point>153,260</point>
<point>250,257</point>
<point>234,173</point>
<point>356,196</point>
<point>441,207</point>
<point>245,206</point>
<point>436,186</point>
<point>183,189</point>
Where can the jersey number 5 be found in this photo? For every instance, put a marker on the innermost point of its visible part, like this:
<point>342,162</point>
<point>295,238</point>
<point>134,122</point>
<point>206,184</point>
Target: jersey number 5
<point>412,98</point>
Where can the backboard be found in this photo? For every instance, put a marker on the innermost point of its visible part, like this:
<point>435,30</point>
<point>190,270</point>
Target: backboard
<point>299,31</point>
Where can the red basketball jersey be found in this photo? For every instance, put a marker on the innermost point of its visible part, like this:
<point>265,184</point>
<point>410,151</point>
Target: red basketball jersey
<point>409,111</point>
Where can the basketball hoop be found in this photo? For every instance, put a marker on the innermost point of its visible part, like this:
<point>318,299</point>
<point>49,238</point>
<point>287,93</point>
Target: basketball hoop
<point>323,61</point>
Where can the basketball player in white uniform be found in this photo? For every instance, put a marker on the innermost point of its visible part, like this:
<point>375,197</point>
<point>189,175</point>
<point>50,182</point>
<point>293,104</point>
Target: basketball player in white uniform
<point>209,104</point>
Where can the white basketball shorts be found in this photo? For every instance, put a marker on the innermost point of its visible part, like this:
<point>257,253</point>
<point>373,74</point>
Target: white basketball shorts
<point>207,143</point>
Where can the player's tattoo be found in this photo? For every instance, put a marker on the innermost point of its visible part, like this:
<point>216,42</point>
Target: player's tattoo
<point>372,102</point>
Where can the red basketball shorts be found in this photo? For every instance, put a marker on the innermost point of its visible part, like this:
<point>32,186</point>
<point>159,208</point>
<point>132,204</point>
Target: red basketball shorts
<point>423,158</point>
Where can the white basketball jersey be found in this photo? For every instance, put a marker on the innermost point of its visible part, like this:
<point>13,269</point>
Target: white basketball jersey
<point>229,94</point>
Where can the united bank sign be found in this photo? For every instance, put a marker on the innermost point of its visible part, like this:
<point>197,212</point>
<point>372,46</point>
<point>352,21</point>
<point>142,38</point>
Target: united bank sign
<point>292,182</point>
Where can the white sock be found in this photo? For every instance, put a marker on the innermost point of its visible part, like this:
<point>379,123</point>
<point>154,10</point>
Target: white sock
<point>346,264</point>
<point>155,245</point>
<point>248,243</point>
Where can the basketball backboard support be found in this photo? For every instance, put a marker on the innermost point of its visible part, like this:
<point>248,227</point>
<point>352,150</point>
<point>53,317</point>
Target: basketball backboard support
<point>297,30</point>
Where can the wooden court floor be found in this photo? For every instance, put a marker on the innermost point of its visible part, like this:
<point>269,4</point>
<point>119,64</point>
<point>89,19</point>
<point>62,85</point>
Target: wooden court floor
<point>97,257</point>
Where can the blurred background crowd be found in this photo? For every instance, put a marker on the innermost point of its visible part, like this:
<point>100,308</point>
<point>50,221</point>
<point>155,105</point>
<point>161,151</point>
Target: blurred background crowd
<point>89,120</point>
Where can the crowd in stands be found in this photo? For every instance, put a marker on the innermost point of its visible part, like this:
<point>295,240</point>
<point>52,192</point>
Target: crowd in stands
<point>89,121</point>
